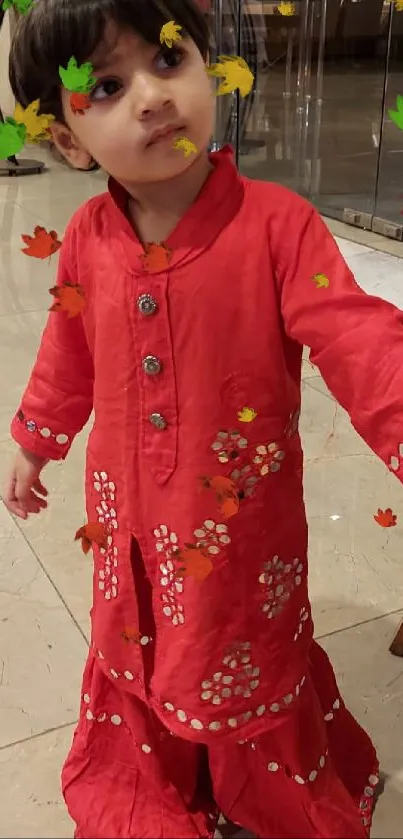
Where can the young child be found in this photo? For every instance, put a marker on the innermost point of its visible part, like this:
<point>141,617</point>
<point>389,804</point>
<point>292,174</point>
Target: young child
<point>204,690</point>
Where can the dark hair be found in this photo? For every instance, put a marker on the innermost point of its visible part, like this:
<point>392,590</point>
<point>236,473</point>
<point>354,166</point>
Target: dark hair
<point>55,30</point>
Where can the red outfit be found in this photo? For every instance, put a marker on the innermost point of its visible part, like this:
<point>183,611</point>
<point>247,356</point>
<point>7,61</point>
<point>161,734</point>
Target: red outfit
<point>203,683</point>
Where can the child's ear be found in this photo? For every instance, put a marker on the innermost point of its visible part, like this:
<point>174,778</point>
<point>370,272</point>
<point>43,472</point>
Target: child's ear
<point>69,146</point>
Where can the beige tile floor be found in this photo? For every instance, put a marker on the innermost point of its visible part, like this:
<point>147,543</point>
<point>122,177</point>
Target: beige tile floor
<point>356,567</point>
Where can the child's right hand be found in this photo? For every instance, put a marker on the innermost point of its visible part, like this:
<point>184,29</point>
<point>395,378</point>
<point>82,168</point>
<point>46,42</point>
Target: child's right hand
<point>24,493</point>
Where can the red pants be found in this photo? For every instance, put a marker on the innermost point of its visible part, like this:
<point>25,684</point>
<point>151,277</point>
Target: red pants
<point>313,774</point>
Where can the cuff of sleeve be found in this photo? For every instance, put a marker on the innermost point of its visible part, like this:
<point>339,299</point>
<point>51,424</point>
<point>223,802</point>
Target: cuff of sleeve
<point>40,439</point>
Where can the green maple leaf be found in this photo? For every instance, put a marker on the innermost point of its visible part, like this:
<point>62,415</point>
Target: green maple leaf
<point>77,79</point>
<point>22,6</point>
<point>397,116</point>
<point>12,137</point>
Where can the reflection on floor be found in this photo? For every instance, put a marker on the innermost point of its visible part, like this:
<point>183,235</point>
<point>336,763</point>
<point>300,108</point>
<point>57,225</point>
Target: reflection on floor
<point>356,576</point>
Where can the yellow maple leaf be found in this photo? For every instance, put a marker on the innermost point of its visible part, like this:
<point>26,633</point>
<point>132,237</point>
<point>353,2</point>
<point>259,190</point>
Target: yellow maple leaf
<point>247,415</point>
<point>235,73</point>
<point>182,143</point>
<point>286,9</point>
<point>321,280</point>
<point>170,33</point>
<point>399,5</point>
<point>37,126</point>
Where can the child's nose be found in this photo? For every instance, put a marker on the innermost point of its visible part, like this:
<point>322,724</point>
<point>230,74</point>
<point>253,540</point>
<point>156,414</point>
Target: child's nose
<point>149,96</point>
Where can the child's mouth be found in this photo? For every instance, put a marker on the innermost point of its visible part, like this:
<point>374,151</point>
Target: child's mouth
<point>164,134</point>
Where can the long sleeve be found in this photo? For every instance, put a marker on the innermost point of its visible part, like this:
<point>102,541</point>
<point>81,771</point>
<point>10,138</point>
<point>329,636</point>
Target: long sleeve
<point>356,340</point>
<point>58,399</point>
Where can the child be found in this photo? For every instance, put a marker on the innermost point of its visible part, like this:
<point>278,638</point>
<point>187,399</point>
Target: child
<point>204,690</point>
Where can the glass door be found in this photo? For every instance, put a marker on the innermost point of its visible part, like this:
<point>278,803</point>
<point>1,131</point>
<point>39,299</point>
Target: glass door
<point>388,212</point>
<point>316,120</point>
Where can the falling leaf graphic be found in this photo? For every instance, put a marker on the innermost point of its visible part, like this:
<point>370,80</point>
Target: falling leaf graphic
<point>131,635</point>
<point>77,78</point>
<point>321,280</point>
<point>42,244</point>
<point>193,563</point>
<point>386,518</point>
<point>235,74</point>
<point>170,33</point>
<point>80,103</point>
<point>185,145</point>
<point>397,115</point>
<point>69,298</point>
<point>247,415</point>
<point>399,5</point>
<point>90,533</point>
<point>156,257</point>
<point>21,6</point>
<point>37,127</point>
<point>286,9</point>
<point>226,494</point>
<point>12,137</point>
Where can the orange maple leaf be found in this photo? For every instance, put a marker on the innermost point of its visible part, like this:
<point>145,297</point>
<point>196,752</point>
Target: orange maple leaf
<point>42,243</point>
<point>156,257</point>
<point>226,494</point>
<point>193,563</point>
<point>80,103</point>
<point>131,634</point>
<point>92,532</point>
<point>69,298</point>
<point>386,518</point>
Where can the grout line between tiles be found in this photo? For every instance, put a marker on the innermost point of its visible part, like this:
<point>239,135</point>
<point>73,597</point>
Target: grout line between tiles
<point>38,735</point>
<point>54,586</point>
<point>359,623</point>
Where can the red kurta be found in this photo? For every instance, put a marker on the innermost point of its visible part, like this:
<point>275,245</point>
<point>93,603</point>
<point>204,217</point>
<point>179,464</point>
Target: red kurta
<point>201,625</point>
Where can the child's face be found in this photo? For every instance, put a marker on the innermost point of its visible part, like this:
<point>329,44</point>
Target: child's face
<point>141,89</point>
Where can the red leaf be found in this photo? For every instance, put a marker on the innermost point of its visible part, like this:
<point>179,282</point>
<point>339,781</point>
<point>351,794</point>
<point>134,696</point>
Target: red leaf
<point>69,298</point>
<point>156,257</point>
<point>80,103</point>
<point>42,244</point>
<point>90,533</point>
<point>131,634</point>
<point>386,518</point>
<point>226,494</point>
<point>193,563</point>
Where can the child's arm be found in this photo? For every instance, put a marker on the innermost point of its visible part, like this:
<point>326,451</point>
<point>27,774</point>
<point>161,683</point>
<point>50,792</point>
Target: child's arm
<point>356,340</point>
<point>58,399</point>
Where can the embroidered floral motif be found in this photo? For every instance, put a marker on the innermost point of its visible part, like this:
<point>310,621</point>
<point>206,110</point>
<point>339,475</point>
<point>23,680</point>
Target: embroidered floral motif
<point>46,433</point>
<point>268,458</point>
<point>366,804</point>
<point>167,544</point>
<point>229,445</point>
<point>246,480</point>
<point>237,677</point>
<point>213,537</point>
<point>104,717</point>
<point>273,766</point>
<point>335,707</point>
<point>303,617</point>
<point>108,575</point>
<point>233,722</point>
<point>279,581</point>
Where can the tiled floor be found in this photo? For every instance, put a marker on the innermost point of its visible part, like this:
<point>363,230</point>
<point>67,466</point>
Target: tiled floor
<point>356,567</point>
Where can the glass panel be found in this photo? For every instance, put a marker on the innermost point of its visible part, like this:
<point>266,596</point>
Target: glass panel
<point>317,110</point>
<point>389,199</point>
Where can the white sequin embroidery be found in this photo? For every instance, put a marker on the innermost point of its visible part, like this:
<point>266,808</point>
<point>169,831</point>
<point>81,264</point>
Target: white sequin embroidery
<point>108,575</point>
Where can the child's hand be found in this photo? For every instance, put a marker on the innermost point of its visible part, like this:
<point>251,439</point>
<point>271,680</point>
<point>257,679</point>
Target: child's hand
<point>24,493</point>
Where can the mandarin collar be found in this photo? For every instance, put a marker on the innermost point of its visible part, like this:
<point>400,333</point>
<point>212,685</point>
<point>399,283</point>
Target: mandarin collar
<point>217,203</point>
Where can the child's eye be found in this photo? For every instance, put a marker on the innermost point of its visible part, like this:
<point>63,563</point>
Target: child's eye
<point>169,58</point>
<point>104,89</point>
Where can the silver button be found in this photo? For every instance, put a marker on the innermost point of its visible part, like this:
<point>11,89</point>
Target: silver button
<point>158,421</point>
<point>151,365</point>
<point>146,304</point>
